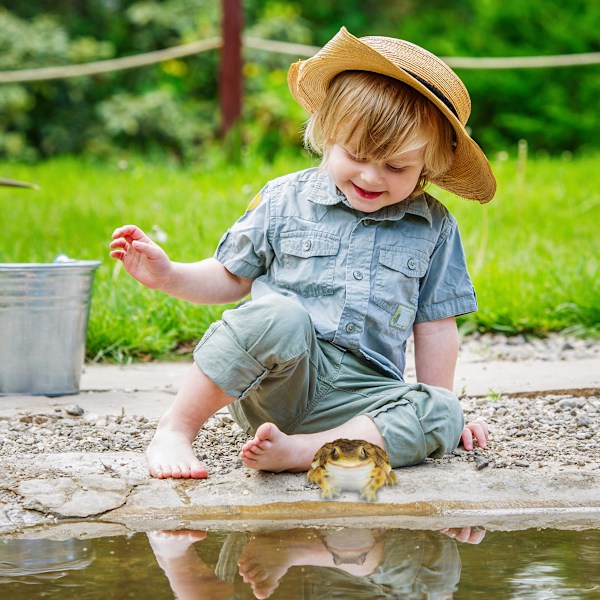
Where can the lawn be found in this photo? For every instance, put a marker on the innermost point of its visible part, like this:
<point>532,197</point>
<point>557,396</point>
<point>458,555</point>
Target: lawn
<point>533,252</point>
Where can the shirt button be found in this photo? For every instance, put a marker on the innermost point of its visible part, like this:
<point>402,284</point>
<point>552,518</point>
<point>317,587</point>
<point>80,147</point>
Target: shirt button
<point>412,263</point>
<point>307,244</point>
<point>350,327</point>
<point>357,275</point>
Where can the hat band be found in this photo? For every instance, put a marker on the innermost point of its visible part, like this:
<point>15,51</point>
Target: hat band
<point>435,92</point>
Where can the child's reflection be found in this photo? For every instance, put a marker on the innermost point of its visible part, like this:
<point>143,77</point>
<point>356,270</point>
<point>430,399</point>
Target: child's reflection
<point>268,556</point>
<point>187,573</point>
<point>416,564</point>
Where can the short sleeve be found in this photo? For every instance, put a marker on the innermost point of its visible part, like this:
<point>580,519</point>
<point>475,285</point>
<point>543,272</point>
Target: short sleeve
<point>245,249</point>
<point>446,289</point>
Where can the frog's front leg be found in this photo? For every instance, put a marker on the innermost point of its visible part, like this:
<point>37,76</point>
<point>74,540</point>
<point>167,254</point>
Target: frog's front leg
<point>376,480</point>
<point>321,477</point>
<point>391,478</point>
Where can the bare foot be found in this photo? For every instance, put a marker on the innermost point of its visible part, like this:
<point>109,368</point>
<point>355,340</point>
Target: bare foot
<point>273,450</point>
<point>265,560</point>
<point>170,454</point>
<point>173,544</point>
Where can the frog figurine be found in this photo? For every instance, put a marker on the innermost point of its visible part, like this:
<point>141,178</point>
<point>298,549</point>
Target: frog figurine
<point>351,465</point>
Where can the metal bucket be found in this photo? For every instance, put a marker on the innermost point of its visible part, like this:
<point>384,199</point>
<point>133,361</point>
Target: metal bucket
<point>44,311</point>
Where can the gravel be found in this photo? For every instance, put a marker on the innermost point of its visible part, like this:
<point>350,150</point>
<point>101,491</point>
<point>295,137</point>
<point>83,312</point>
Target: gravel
<point>218,445</point>
<point>526,432</point>
<point>536,432</point>
<point>555,347</point>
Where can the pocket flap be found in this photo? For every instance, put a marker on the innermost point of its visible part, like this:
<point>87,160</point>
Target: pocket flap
<point>309,243</point>
<point>410,263</point>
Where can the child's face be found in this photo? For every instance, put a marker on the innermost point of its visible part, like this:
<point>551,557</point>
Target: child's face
<point>370,185</point>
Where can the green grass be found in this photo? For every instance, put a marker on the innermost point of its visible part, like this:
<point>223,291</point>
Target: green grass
<point>533,251</point>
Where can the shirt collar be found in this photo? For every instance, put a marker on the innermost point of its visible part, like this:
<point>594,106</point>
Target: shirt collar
<point>326,193</point>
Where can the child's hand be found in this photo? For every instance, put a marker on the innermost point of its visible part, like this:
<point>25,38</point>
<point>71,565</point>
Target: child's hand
<point>468,535</point>
<point>142,258</point>
<point>476,430</point>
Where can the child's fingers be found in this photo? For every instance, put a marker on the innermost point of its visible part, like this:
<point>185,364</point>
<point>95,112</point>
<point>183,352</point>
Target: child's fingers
<point>151,251</point>
<point>118,243</point>
<point>118,254</point>
<point>133,232</point>
<point>467,439</point>
<point>483,426</point>
<point>479,431</point>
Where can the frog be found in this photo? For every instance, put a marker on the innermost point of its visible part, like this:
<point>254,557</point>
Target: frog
<point>352,465</point>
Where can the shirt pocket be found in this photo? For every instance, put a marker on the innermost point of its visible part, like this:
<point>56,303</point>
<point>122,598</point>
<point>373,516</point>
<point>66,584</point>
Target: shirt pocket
<point>307,262</point>
<point>397,277</point>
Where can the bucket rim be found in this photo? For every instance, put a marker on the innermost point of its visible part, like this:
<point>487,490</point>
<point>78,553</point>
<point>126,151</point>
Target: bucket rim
<point>74,264</point>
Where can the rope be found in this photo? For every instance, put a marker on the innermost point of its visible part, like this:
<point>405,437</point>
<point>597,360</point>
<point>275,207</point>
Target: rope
<point>512,62</point>
<point>525,62</point>
<point>106,66</point>
<point>300,50</point>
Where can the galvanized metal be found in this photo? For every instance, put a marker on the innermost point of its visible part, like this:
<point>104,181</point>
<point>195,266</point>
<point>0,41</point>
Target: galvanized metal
<point>44,310</point>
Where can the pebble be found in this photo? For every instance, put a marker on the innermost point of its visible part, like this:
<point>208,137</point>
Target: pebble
<point>481,462</point>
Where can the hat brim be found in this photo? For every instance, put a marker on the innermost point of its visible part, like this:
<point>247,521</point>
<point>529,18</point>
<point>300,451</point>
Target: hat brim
<point>470,175</point>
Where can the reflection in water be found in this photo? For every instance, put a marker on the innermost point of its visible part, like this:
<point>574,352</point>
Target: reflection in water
<point>358,563</point>
<point>38,560</point>
<point>340,563</point>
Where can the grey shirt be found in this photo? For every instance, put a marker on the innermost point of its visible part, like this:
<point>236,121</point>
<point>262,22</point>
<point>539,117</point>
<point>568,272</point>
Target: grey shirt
<point>364,278</point>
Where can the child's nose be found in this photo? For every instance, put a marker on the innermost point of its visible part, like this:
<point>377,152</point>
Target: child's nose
<point>371,174</point>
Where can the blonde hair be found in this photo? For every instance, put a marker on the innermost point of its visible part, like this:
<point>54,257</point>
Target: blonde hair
<point>387,117</point>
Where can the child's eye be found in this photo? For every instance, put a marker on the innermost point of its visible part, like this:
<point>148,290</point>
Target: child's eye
<point>354,157</point>
<point>395,169</point>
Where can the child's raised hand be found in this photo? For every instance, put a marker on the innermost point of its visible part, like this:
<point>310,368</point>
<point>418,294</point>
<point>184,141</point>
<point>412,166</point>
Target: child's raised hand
<point>477,431</point>
<point>142,258</point>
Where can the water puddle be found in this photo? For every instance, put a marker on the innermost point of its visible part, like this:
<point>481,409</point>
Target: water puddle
<point>340,563</point>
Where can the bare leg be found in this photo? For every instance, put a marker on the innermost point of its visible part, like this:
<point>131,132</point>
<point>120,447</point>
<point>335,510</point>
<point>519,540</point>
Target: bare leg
<point>189,577</point>
<point>273,450</point>
<point>170,453</point>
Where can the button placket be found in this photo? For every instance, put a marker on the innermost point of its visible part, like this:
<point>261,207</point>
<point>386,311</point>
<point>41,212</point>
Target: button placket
<point>358,285</point>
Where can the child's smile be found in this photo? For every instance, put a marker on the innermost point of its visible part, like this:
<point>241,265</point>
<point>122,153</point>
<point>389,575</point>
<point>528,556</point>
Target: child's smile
<point>365,194</point>
<point>370,185</point>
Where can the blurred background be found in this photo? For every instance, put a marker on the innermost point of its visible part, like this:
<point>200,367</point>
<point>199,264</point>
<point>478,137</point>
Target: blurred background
<point>146,145</point>
<point>171,108</point>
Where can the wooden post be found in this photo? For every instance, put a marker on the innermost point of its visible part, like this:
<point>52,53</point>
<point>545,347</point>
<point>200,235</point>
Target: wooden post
<point>230,77</point>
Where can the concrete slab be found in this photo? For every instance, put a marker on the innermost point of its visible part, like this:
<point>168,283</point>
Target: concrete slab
<point>114,488</point>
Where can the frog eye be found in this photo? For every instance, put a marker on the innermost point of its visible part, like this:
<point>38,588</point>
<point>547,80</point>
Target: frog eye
<point>335,453</point>
<point>363,452</point>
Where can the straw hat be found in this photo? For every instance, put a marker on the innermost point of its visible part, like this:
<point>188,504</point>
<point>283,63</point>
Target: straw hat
<point>470,175</point>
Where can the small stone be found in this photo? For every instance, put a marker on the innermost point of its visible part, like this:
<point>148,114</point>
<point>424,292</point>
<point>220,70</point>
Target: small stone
<point>481,462</point>
<point>583,421</point>
<point>74,410</point>
<point>566,403</point>
<point>521,463</point>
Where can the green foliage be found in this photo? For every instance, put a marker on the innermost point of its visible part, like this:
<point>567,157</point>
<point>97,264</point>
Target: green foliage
<point>172,108</point>
<point>532,251</point>
<point>554,108</point>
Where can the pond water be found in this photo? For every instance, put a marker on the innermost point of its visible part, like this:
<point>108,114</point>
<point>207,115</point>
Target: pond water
<point>340,563</point>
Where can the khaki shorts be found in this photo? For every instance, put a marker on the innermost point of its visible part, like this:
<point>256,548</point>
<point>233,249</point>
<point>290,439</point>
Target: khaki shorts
<point>266,355</point>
